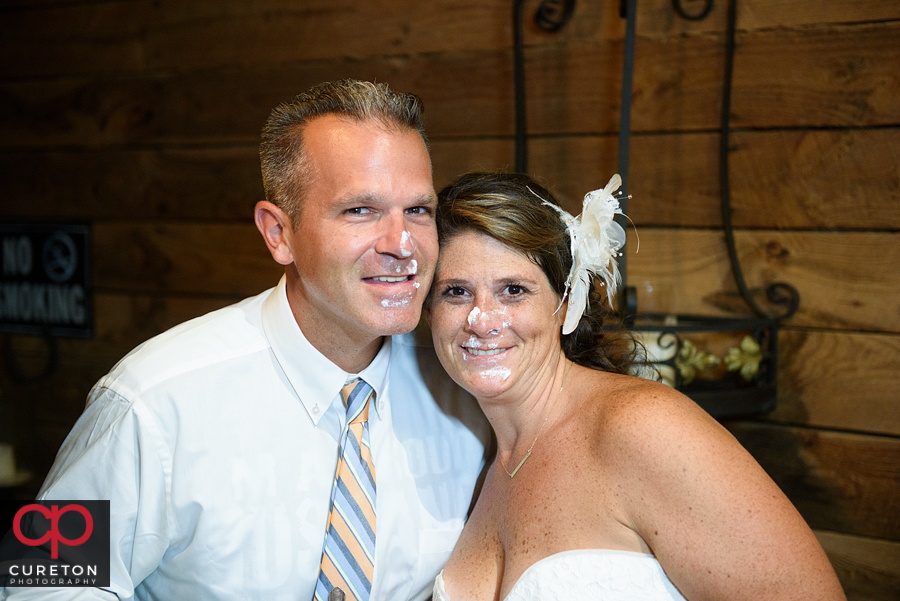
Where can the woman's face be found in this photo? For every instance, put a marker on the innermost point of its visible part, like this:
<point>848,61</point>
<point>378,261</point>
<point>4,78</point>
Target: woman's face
<point>492,316</point>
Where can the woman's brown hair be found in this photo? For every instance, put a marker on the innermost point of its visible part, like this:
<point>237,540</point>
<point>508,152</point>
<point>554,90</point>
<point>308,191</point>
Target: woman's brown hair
<point>510,208</point>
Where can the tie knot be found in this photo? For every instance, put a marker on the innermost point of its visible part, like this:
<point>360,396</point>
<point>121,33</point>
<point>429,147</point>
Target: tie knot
<point>356,397</point>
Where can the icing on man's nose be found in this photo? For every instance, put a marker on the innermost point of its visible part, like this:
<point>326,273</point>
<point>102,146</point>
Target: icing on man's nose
<point>406,244</point>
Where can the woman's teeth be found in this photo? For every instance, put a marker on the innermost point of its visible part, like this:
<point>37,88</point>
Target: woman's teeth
<point>484,353</point>
<point>390,279</point>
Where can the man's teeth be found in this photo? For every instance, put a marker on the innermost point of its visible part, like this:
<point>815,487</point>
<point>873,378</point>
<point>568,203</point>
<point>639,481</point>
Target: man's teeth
<point>390,279</point>
<point>485,353</point>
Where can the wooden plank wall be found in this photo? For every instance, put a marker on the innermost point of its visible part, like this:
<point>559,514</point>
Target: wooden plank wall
<point>142,118</point>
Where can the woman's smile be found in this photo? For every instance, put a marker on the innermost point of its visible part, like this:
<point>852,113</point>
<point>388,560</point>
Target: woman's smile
<point>492,315</point>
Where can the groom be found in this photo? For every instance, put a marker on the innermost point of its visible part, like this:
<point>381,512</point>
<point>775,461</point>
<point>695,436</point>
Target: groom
<point>298,441</point>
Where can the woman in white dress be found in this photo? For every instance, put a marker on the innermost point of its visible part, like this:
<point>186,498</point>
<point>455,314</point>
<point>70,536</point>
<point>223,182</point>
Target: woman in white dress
<point>604,485</point>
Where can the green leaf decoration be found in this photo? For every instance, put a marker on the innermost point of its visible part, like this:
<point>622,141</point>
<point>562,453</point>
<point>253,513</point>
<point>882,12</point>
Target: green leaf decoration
<point>746,358</point>
<point>691,361</point>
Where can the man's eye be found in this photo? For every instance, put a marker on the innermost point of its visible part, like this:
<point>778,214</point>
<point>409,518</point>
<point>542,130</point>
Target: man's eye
<point>418,210</point>
<point>359,211</point>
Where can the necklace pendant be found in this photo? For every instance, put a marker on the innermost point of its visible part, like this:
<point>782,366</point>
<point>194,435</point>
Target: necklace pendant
<point>521,463</point>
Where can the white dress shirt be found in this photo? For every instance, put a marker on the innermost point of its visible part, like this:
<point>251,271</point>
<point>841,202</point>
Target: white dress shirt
<point>216,443</point>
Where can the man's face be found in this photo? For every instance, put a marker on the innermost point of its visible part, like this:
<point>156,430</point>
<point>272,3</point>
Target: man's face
<point>365,244</point>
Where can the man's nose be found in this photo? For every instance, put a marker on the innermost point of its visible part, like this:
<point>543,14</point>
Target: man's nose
<point>394,238</point>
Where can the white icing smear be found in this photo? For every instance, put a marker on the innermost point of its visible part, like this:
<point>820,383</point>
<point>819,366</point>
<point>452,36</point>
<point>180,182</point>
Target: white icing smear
<point>413,268</point>
<point>473,316</point>
<point>397,301</point>
<point>496,372</point>
<point>405,247</point>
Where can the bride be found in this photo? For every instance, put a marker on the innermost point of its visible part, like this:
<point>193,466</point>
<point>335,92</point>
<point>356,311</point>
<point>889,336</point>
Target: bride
<point>604,485</point>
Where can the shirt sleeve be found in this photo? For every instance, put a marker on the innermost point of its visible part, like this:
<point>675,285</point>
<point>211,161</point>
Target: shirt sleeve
<point>114,452</point>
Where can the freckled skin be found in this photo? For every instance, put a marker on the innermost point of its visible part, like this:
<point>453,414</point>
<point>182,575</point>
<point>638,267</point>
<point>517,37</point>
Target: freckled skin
<point>487,296</point>
<point>617,462</point>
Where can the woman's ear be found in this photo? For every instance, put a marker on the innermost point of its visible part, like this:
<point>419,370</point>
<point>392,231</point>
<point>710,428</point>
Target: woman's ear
<point>274,224</point>
<point>562,311</point>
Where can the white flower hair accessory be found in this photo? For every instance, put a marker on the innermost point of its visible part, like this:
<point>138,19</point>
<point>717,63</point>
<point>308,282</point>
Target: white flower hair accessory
<point>595,239</point>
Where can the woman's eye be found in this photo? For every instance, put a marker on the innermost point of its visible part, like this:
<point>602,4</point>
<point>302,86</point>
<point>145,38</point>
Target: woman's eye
<point>455,291</point>
<point>515,290</point>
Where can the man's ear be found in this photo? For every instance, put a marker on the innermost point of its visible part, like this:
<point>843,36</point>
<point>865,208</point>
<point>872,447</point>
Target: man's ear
<point>273,224</point>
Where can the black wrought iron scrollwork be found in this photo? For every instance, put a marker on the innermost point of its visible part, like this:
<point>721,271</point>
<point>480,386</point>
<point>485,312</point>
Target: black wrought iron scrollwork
<point>519,81</point>
<point>707,7</point>
<point>779,293</point>
<point>552,15</point>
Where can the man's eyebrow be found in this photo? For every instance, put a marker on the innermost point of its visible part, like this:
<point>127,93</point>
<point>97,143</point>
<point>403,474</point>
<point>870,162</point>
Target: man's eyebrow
<point>357,199</point>
<point>367,198</point>
<point>426,199</point>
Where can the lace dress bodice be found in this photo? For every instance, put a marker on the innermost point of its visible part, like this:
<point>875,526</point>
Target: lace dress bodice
<point>588,574</point>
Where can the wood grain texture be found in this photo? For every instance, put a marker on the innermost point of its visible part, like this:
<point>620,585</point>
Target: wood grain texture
<point>221,259</point>
<point>218,184</point>
<point>845,179</point>
<point>815,78</point>
<point>838,481</point>
<point>790,179</point>
<point>54,38</point>
<point>846,77</point>
<point>839,380</point>
<point>690,273</point>
<point>869,569</point>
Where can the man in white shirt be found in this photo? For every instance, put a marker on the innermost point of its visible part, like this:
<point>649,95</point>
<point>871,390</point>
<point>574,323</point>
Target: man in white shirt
<point>217,441</point>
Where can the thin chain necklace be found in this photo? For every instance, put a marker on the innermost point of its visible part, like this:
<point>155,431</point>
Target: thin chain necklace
<point>541,429</point>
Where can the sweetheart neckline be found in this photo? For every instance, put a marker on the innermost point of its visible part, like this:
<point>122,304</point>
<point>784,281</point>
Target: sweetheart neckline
<point>555,556</point>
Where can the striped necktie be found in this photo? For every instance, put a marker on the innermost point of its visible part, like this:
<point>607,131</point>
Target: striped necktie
<point>348,559</point>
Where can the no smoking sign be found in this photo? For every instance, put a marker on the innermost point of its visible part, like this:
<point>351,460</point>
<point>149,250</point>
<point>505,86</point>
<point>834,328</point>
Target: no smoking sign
<point>45,280</point>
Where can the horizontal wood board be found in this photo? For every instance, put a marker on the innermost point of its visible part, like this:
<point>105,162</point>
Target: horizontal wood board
<point>49,37</point>
<point>869,569</point>
<point>833,78</point>
<point>838,481</point>
<point>809,179</point>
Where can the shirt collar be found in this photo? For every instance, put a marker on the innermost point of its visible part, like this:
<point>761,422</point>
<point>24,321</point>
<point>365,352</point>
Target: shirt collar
<point>316,380</point>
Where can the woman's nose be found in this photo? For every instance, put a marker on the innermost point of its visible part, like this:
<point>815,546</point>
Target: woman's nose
<point>486,319</point>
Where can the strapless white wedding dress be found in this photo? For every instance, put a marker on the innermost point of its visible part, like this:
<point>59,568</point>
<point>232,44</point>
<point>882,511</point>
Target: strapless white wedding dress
<point>601,574</point>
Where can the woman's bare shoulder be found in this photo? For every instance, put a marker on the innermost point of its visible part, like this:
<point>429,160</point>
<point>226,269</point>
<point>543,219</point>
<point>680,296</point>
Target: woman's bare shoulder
<point>630,408</point>
<point>700,501</point>
<point>643,429</point>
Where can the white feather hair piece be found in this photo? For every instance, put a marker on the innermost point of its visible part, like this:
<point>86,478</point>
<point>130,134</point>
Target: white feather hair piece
<point>595,240</point>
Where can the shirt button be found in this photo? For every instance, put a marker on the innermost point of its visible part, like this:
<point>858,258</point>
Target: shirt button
<point>315,410</point>
<point>380,405</point>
